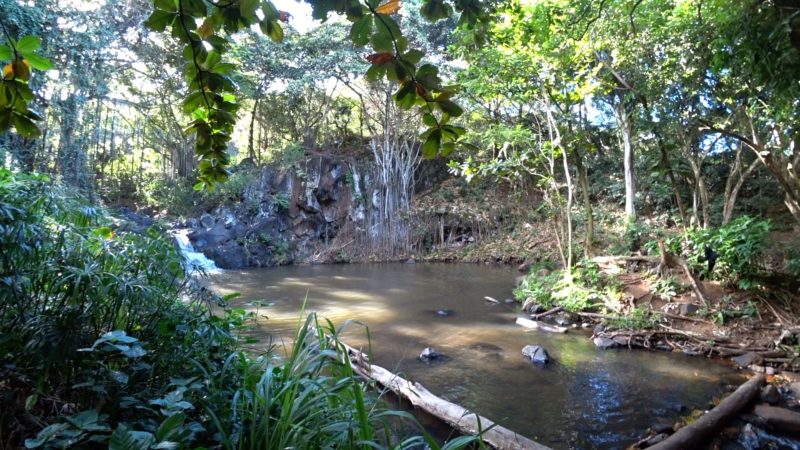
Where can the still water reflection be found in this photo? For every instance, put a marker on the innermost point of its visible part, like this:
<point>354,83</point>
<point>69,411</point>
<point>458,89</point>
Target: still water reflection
<point>586,398</point>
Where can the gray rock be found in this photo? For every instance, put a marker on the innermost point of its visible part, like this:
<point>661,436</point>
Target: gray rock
<point>206,221</point>
<point>604,343</point>
<point>411,261</point>
<point>562,319</point>
<point>655,439</point>
<point>794,389</point>
<point>429,354</point>
<point>687,309</point>
<point>228,256</point>
<point>509,301</point>
<point>660,428</point>
<point>536,354</point>
<point>531,306</point>
<point>748,359</point>
<point>770,394</point>
<point>444,312</point>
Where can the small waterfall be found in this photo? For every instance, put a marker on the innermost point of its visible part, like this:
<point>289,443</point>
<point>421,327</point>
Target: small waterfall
<point>193,261</point>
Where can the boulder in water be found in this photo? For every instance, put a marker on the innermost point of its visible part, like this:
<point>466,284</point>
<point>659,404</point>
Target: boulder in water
<point>604,343</point>
<point>429,354</point>
<point>536,354</point>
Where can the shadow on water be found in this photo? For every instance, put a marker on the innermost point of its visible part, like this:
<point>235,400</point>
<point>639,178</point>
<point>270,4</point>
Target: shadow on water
<point>586,398</point>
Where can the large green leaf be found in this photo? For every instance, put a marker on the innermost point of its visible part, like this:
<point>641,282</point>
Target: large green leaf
<point>38,62</point>
<point>359,32</point>
<point>6,53</point>
<point>29,44</point>
<point>123,438</point>
<point>159,20</point>
<point>25,126</point>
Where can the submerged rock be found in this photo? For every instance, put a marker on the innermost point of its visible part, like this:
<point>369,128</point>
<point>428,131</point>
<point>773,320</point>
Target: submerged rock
<point>444,312</point>
<point>429,354</point>
<point>536,354</point>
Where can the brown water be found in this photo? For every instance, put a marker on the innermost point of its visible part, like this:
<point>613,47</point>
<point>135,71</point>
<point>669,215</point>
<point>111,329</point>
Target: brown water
<point>585,398</point>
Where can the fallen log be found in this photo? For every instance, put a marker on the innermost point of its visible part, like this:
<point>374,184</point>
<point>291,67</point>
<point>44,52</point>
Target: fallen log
<point>536,325</point>
<point>692,435</point>
<point>547,313</point>
<point>780,419</point>
<point>458,417</point>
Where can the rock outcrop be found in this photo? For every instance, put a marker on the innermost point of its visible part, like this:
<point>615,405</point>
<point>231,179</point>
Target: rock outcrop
<point>307,213</point>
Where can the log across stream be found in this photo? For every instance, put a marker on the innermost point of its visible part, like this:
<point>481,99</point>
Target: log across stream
<point>585,398</point>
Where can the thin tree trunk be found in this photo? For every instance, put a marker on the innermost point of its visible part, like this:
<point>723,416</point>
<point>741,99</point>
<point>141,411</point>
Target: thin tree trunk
<point>626,134</point>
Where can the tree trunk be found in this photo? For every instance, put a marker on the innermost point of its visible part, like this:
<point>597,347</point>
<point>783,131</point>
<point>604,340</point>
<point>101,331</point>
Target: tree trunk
<point>250,148</point>
<point>583,181</point>
<point>626,134</point>
<point>734,183</point>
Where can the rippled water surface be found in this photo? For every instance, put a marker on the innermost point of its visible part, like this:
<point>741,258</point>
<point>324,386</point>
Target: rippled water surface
<point>585,398</point>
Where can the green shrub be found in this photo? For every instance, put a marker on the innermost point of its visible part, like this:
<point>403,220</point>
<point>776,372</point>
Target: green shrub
<point>738,245</point>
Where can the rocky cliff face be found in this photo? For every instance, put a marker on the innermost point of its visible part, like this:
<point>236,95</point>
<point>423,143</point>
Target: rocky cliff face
<point>311,212</point>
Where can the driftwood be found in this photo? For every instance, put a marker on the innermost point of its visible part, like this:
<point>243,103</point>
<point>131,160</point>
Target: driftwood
<point>547,313</point>
<point>536,325</point>
<point>492,300</point>
<point>624,259</point>
<point>456,416</point>
<point>692,435</point>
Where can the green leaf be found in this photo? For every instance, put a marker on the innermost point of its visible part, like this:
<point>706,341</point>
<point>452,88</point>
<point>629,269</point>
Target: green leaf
<point>359,32</point>
<point>25,127</point>
<point>29,44</point>
<point>38,62</point>
<point>272,29</point>
<point>166,5</point>
<point>170,428</point>
<point>431,146</point>
<point>382,41</point>
<point>247,8</point>
<point>449,107</point>
<point>434,10</point>
<point>406,95</point>
<point>413,56</point>
<point>159,20</point>
<point>6,53</point>
<point>123,438</point>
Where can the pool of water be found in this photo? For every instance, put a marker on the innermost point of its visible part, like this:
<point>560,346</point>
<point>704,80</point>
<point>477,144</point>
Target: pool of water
<point>585,398</point>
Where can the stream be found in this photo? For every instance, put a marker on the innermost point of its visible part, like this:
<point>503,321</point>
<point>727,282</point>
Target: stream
<point>585,398</point>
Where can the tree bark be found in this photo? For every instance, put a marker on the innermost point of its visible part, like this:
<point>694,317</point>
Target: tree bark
<point>626,133</point>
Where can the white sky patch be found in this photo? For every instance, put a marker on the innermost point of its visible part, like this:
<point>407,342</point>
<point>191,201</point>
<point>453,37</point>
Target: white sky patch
<point>301,14</point>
